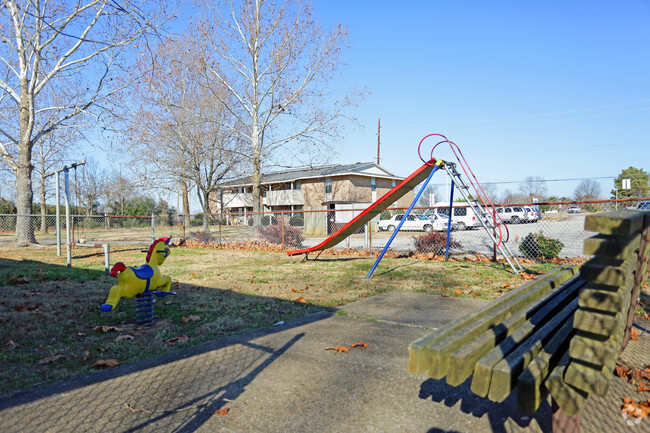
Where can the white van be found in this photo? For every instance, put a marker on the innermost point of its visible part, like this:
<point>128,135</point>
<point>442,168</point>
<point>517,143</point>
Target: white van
<point>463,215</point>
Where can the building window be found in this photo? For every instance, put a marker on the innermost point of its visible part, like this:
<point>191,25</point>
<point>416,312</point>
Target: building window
<point>328,186</point>
<point>297,185</point>
<point>394,183</point>
<point>373,184</point>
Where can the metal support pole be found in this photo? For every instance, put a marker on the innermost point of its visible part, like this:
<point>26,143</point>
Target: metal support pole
<point>451,211</point>
<point>58,217</point>
<point>153,234</point>
<point>67,217</point>
<point>107,260</point>
<point>399,226</point>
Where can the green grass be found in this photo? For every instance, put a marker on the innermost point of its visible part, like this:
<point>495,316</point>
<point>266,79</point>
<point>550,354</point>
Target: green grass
<point>52,310</point>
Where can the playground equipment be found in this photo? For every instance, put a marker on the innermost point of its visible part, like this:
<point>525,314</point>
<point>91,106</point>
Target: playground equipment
<point>478,201</point>
<point>142,282</point>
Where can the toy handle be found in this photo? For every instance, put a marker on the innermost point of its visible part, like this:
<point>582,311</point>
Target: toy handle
<point>144,251</point>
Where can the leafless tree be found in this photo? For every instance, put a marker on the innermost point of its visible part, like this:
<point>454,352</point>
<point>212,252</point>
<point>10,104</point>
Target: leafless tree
<point>534,187</point>
<point>79,50</point>
<point>49,152</point>
<point>278,66</point>
<point>587,189</point>
<point>182,133</point>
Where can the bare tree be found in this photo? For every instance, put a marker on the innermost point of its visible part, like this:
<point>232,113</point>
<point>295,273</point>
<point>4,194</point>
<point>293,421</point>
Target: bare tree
<point>79,50</point>
<point>277,65</point>
<point>429,192</point>
<point>49,153</point>
<point>182,132</point>
<point>534,187</point>
<point>587,189</point>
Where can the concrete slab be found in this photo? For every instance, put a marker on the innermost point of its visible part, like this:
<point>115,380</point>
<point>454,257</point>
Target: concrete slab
<point>282,379</point>
<point>428,311</point>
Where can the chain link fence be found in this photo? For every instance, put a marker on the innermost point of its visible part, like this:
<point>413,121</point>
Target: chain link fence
<point>537,231</point>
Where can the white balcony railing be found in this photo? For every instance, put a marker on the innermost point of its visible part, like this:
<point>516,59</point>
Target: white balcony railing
<point>285,197</point>
<point>295,197</point>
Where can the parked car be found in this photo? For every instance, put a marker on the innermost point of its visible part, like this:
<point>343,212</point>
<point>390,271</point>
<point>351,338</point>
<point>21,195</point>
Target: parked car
<point>532,214</point>
<point>462,215</point>
<point>574,209</point>
<point>514,214</point>
<point>440,223</point>
<point>643,205</point>
<point>413,222</point>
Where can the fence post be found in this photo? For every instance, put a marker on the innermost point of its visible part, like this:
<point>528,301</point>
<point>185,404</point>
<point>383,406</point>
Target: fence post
<point>153,235</point>
<point>219,216</point>
<point>105,221</point>
<point>107,252</point>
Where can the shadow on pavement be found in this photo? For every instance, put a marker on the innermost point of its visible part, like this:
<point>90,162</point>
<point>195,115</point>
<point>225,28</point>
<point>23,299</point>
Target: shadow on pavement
<point>498,413</point>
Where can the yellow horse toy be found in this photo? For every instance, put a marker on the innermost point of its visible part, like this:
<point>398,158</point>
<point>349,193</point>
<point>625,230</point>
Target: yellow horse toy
<point>133,281</point>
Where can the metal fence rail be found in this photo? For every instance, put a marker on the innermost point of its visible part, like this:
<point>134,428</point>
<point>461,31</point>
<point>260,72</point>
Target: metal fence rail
<point>560,230</point>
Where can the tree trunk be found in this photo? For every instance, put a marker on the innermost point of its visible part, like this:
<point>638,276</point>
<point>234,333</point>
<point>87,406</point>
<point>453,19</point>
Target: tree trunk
<point>185,193</point>
<point>24,192</point>
<point>257,192</point>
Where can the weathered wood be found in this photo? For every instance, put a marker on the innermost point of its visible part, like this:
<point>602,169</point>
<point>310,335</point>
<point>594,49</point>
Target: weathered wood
<point>640,277</point>
<point>620,223</point>
<point>433,352</point>
<point>527,320</point>
<point>508,369</point>
<point>530,383</point>
<point>419,358</point>
<point>590,379</point>
<point>590,349</point>
<point>604,300</point>
<point>609,272</point>
<point>613,247</point>
<point>571,400</point>
<point>483,367</point>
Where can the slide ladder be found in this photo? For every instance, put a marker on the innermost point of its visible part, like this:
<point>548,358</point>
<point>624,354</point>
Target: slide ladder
<point>486,215</point>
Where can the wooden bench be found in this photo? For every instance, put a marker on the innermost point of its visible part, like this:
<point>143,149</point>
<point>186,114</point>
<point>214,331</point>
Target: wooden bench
<point>560,333</point>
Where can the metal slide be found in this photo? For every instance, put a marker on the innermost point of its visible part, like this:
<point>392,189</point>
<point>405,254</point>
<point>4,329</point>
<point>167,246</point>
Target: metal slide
<point>373,210</point>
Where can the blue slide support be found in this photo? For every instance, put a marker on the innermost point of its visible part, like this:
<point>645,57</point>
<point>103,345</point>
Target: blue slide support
<point>451,211</point>
<point>399,226</point>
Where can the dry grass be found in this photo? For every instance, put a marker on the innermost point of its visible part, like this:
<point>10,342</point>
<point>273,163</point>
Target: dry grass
<point>51,323</point>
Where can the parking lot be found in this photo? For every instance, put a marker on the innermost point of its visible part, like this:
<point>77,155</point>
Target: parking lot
<point>567,228</point>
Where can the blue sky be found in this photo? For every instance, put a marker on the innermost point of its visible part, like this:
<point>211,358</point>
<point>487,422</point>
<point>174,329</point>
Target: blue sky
<point>557,89</point>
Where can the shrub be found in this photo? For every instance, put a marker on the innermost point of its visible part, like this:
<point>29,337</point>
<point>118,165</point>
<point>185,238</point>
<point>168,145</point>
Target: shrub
<point>274,234</point>
<point>434,242</point>
<point>538,245</point>
<point>385,215</point>
<point>205,237</point>
<point>297,220</point>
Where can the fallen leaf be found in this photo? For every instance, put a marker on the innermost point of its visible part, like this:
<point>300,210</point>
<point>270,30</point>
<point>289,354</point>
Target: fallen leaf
<point>81,334</point>
<point>505,286</point>
<point>124,338</point>
<point>458,291</point>
<point>634,334</point>
<point>106,363</point>
<point>86,355</point>
<point>634,409</point>
<point>177,340</point>
<point>339,348</point>
<point>107,328</point>
<point>301,299</point>
<point>361,344</point>
<point>222,412</point>
<point>191,318</point>
<point>446,295</point>
<point>19,279</point>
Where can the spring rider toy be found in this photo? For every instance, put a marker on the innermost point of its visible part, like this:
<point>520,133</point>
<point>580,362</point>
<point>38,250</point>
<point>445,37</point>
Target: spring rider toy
<point>142,282</point>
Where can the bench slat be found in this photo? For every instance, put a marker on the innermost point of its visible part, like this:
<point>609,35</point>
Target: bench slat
<point>431,352</point>
<point>615,222</point>
<point>509,368</point>
<point>571,400</point>
<point>530,383</point>
<point>524,322</point>
<point>612,246</point>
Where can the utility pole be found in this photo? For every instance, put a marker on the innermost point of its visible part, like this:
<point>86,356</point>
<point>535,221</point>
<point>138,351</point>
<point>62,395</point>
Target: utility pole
<point>378,138</point>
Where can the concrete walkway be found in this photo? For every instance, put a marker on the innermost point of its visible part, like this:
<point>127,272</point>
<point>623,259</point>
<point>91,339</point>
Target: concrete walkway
<point>281,379</point>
